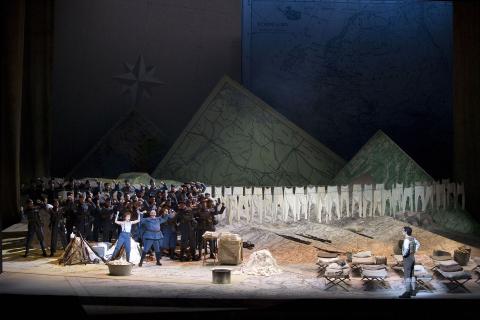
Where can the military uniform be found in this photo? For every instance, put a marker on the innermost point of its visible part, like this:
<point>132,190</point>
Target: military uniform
<point>34,228</point>
<point>169,241</point>
<point>204,223</point>
<point>82,219</point>
<point>106,216</point>
<point>57,226</point>
<point>97,224</point>
<point>69,216</point>
<point>215,212</point>
<point>409,247</point>
<point>128,189</point>
<point>186,226</point>
<point>152,235</point>
<point>52,193</point>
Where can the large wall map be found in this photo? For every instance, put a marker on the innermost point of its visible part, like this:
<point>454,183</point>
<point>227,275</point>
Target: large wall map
<point>342,70</point>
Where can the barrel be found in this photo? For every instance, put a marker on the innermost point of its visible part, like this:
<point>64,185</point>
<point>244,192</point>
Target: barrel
<point>221,276</point>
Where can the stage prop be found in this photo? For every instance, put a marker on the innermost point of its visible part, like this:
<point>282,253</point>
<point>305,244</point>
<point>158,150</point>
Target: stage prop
<point>120,268</point>
<point>221,276</point>
<point>237,139</point>
<point>261,263</point>
<point>135,252</point>
<point>230,249</point>
<point>79,251</point>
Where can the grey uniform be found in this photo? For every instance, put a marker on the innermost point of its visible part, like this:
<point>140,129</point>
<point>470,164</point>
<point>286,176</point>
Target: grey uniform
<point>409,244</point>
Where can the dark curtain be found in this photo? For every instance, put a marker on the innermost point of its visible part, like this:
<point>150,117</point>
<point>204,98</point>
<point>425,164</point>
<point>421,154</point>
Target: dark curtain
<point>37,75</point>
<point>466,99</point>
<point>27,31</point>
<point>13,15</point>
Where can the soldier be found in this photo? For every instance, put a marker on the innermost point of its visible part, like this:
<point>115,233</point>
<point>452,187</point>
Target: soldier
<point>127,188</point>
<point>34,227</point>
<point>136,213</point>
<point>152,234</point>
<point>214,211</point>
<point>125,234</point>
<point>106,216</point>
<point>169,230</point>
<point>163,187</point>
<point>86,187</point>
<point>186,225</point>
<point>57,227</point>
<point>152,188</point>
<point>96,217</point>
<point>172,197</point>
<point>82,216</point>
<point>181,193</point>
<point>204,221</point>
<point>409,247</point>
<point>92,207</point>
<point>51,191</point>
<point>141,196</point>
<point>151,203</point>
<point>107,188</point>
<point>161,196</point>
<point>69,209</point>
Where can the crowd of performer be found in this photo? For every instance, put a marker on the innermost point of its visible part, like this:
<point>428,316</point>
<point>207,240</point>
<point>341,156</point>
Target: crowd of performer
<point>153,215</point>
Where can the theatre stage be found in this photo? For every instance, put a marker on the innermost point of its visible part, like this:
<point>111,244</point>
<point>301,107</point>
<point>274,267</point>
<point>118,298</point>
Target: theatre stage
<point>176,283</point>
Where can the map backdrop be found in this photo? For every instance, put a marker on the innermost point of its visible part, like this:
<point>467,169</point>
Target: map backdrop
<point>341,70</point>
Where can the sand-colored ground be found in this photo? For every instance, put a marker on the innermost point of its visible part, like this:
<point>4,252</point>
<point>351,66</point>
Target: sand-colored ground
<point>384,231</point>
<point>299,277</point>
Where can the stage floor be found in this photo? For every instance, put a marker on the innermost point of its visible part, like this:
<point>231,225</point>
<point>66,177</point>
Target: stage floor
<point>37,275</point>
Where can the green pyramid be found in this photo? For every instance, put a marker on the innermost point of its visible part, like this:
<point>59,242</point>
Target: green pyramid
<point>381,160</point>
<point>237,139</point>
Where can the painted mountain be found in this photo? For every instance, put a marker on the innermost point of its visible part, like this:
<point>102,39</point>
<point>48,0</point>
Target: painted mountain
<point>132,144</point>
<point>381,160</point>
<point>237,139</point>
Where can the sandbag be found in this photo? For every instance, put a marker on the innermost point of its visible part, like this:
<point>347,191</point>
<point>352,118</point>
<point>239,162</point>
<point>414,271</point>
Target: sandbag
<point>462,255</point>
<point>230,249</point>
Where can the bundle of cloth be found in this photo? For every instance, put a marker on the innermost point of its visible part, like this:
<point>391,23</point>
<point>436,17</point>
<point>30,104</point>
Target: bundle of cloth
<point>362,258</point>
<point>326,258</point>
<point>337,269</point>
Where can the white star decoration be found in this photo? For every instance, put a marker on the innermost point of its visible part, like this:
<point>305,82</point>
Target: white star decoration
<point>138,80</point>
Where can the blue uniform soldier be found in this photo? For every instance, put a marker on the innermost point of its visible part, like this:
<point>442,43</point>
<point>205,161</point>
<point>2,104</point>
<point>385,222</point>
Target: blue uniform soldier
<point>152,234</point>
<point>169,230</point>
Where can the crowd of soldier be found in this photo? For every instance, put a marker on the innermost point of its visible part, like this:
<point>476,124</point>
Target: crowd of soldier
<point>92,210</point>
